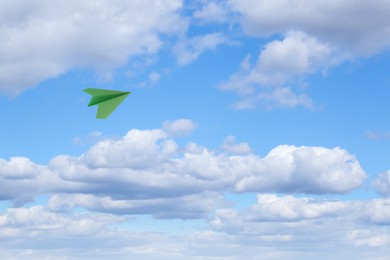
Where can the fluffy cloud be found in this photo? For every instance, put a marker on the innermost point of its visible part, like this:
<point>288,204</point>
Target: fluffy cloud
<point>382,184</point>
<point>281,64</point>
<point>179,128</point>
<point>331,22</point>
<point>230,146</point>
<point>290,209</point>
<point>297,54</point>
<point>145,171</point>
<point>136,150</point>
<point>368,238</point>
<point>22,180</point>
<point>279,225</point>
<point>316,35</point>
<point>45,39</point>
<point>286,222</point>
<point>304,169</point>
<point>92,200</point>
<point>273,208</point>
<point>28,221</point>
<point>287,210</point>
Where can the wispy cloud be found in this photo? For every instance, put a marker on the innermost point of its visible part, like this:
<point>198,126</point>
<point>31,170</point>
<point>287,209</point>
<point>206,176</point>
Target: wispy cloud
<point>189,49</point>
<point>213,12</point>
<point>377,135</point>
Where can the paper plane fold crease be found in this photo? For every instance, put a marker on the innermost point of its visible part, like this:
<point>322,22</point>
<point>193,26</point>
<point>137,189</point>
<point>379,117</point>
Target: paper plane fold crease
<point>107,100</point>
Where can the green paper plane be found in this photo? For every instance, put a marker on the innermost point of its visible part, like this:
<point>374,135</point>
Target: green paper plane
<point>107,100</point>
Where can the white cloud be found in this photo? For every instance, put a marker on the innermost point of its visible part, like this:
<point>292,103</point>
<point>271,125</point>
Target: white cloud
<point>146,170</point>
<point>382,184</point>
<point>377,135</point>
<point>190,185</point>
<point>287,222</point>
<point>88,138</point>
<point>230,146</point>
<point>45,39</point>
<point>280,66</point>
<point>137,149</point>
<point>179,127</point>
<point>212,12</point>
<point>297,54</point>
<point>304,169</point>
<point>154,77</point>
<point>332,22</point>
<point>23,179</point>
<point>37,219</point>
<point>239,81</point>
<point>278,225</point>
<point>316,35</point>
<point>285,97</point>
<point>184,207</point>
<point>188,50</point>
<point>287,208</point>
<point>19,168</point>
<point>376,211</point>
<point>369,238</point>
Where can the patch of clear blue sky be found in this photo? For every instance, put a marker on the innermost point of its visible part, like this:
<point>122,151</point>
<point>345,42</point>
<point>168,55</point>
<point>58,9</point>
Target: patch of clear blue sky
<point>4,205</point>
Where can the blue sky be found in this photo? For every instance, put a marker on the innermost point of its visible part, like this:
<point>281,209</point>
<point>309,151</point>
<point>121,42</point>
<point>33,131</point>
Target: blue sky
<point>254,128</point>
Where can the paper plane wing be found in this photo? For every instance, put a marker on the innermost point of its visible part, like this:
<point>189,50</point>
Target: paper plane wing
<point>107,100</point>
<point>105,108</point>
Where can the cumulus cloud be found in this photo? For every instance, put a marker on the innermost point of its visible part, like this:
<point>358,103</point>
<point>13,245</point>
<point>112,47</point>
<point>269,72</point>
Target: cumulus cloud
<point>137,149</point>
<point>296,54</point>
<point>29,221</point>
<point>332,22</point>
<point>23,179</point>
<point>288,222</point>
<point>304,169</point>
<point>315,36</point>
<point>230,146</point>
<point>45,39</point>
<point>280,65</point>
<point>179,127</point>
<point>382,184</point>
<point>145,171</point>
<point>288,208</point>
<point>95,197</point>
<point>279,225</point>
